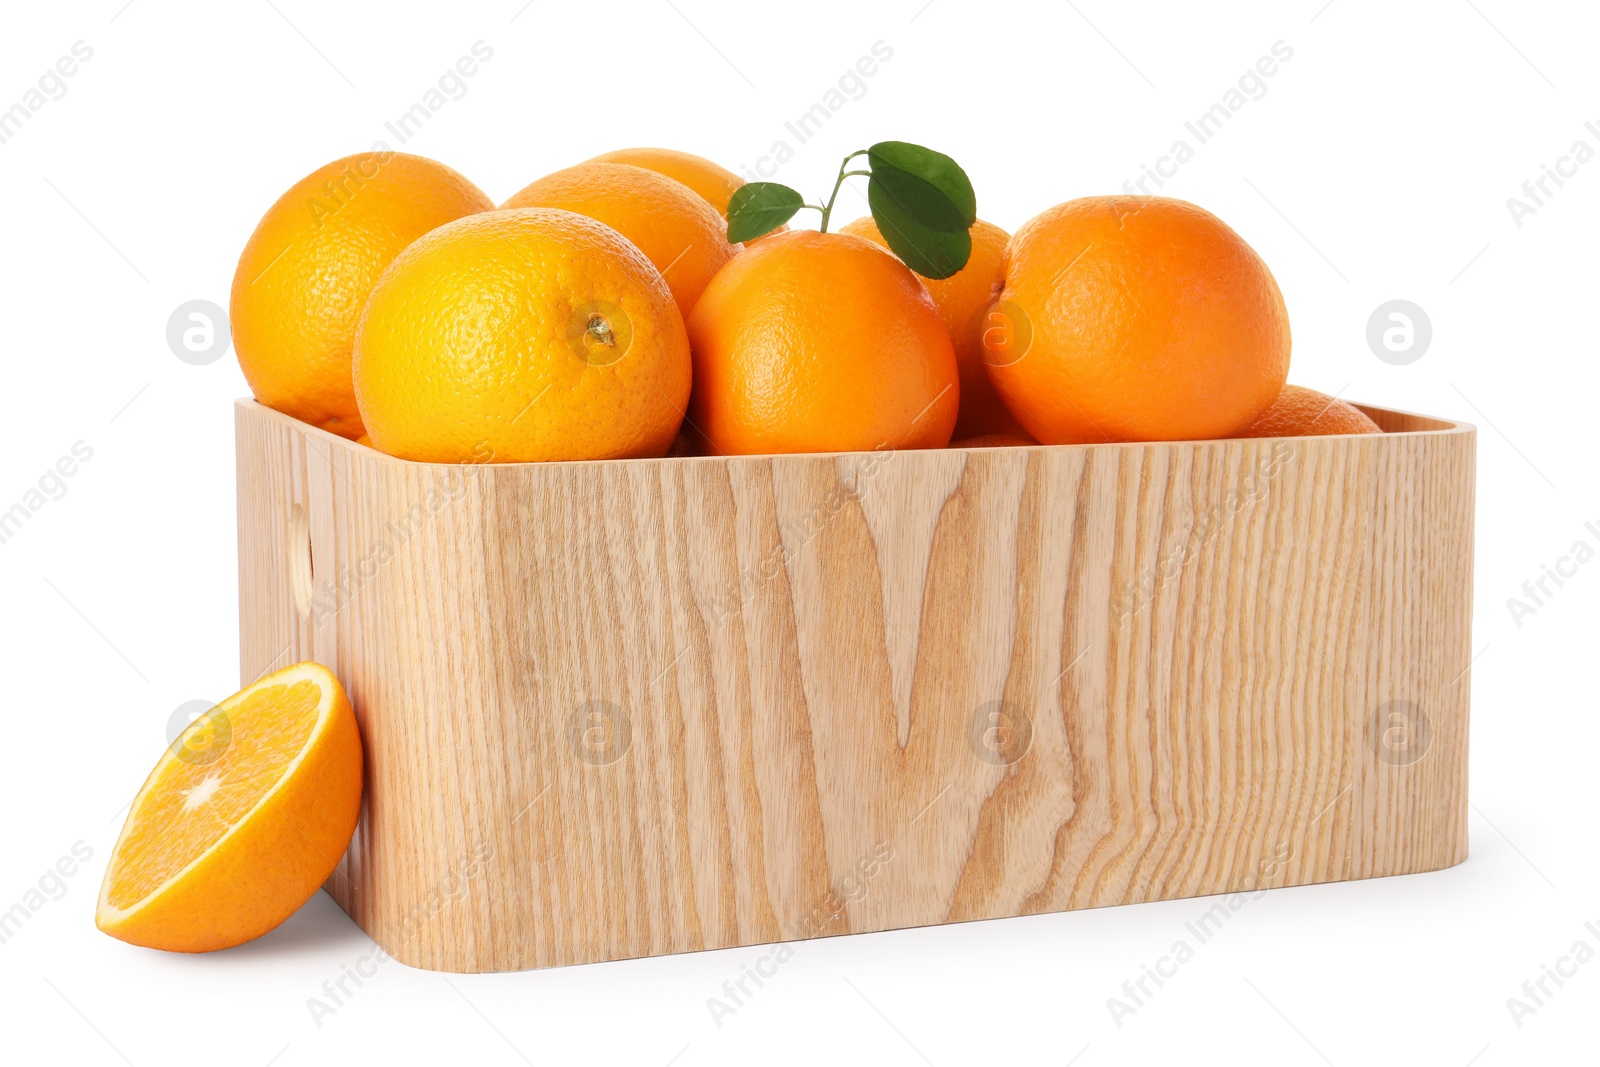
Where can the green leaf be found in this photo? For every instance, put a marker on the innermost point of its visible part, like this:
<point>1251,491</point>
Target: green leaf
<point>932,253</point>
<point>760,207</point>
<point>929,183</point>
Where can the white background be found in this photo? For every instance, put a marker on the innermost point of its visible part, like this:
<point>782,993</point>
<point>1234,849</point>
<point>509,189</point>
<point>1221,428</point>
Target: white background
<point>1376,166</point>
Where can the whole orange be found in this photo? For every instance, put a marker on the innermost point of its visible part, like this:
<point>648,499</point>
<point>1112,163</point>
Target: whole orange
<point>820,342</point>
<point>1302,412</point>
<point>962,299</point>
<point>675,229</point>
<point>307,269</point>
<point>716,184</point>
<point>529,334</point>
<point>1134,318</point>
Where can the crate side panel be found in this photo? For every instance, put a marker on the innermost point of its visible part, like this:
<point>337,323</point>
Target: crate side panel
<point>270,464</point>
<point>1411,799</point>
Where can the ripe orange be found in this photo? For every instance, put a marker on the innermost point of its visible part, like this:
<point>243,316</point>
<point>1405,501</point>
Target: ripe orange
<point>528,334</point>
<point>715,184</point>
<point>820,342</point>
<point>306,272</point>
<point>1302,412</point>
<point>675,229</point>
<point>1134,318</point>
<point>962,299</point>
<point>242,819</point>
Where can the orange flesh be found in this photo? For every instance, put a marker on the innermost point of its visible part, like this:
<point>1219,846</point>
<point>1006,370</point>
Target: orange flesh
<point>235,756</point>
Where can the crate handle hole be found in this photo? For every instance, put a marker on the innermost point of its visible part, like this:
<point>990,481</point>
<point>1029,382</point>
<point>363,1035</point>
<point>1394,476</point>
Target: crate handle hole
<point>300,563</point>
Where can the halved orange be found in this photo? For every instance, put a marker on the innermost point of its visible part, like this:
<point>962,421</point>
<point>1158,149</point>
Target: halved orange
<point>247,813</point>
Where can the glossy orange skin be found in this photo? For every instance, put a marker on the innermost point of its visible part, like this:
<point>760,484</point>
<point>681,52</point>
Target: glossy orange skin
<point>473,347</point>
<point>715,184</point>
<point>306,271</point>
<point>813,342</point>
<point>962,299</point>
<point>1132,318</point>
<point>1302,412</point>
<point>677,230</point>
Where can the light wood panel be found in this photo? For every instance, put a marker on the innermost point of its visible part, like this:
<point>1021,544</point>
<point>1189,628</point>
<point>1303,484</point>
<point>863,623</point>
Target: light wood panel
<point>803,654</point>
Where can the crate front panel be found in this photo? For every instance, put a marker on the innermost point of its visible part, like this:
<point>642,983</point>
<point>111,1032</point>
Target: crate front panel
<point>620,709</point>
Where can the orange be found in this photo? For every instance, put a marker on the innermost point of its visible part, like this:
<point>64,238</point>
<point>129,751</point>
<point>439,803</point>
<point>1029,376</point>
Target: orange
<point>520,335</point>
<point>962,299</point>
<point>715,184</point>
<point>675,229</point>
<point>992,440</point>
<point>306,271</point>
<point>242,819</point>
<point>820,342</point>
<point>1134,318</point>
<point>1302,412</point>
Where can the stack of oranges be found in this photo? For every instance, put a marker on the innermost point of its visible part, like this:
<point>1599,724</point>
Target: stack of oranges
<point>604,312</point>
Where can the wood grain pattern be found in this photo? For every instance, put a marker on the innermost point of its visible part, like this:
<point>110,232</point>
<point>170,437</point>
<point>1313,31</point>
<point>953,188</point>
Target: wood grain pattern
<point>627,708</point>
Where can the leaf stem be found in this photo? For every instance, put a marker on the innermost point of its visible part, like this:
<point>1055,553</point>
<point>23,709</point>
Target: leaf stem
<point>827,212</point>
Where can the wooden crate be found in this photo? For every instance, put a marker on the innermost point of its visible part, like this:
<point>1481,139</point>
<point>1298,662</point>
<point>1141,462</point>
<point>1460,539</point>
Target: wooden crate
<point>634,707</point>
